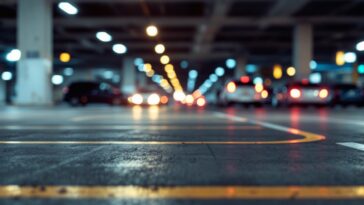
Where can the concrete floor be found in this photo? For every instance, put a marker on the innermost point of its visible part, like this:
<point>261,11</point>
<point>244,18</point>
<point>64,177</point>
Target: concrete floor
<point>175,155</point>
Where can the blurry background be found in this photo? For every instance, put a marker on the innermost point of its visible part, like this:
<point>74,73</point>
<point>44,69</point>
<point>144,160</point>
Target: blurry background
<point>46,44</point>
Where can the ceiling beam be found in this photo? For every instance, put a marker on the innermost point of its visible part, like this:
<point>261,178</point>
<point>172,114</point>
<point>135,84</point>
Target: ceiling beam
<point>206,33</point>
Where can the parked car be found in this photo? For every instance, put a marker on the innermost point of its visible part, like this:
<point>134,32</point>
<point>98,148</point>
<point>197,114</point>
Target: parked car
<point>83,93</point>
<point>303,94</point>
<point>243,91</point>
<point>348,94</point>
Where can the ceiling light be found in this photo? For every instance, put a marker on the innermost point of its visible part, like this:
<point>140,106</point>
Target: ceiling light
<point>119,48</point>
<point>159,48</point>
<point>103,36</point>
<point>14,55</point>
<point>68,8</point>
<point>152,31</point>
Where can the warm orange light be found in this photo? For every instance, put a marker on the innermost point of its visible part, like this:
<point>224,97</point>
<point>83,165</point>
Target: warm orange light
<point>277,71</point>
<point>264,94</point>
<point>164,99</point>
<point>201,102</point>
<point>231,87</point>
<point>340,58</point>
<point>259,88</point>
<point>189,99</point>
<point>291,71</point>
<point>295,93</point>
<point>323,93</point>
<point>65,57</point>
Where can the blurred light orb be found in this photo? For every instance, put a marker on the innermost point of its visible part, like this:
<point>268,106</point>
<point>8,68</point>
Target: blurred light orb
<point>68,8</point>
<point>219,71</point>
<point>291,71</point>
<point>230,63</point>
<point>103,36</point>
<point>361,69</point>
<point>68,71</point>
<point>119,48</point>
<point>184,64</point>
<point>179,95</point>
<point>14,55</point>
<point>138,61</point>
<point>258,80</point>
<point>57,79</point>
<point>164,59</point>
<point>193,74</point>
<point>313,64</point>
<point>213,78</point>
<point>350,57</point>
<point>152,31</point>
<point>65,57</point>
<point>360,46</point>
<point>6,76</point>
<point>159,48</point>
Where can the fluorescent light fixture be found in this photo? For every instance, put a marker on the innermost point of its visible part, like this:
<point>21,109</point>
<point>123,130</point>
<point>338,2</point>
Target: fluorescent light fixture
<point>103,36</point>
<point>57,79</point>
<point>6,76</point>
<point>350,57</point>
<point>14,55</point>
<point>68,8</point>
<point>360,46</point>
<point>119,48</point>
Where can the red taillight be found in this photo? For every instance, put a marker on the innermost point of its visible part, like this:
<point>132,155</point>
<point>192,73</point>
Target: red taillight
<point>245,79</point>
<point>231,87</point>
<point>295,93</point>
<point>323,93</point>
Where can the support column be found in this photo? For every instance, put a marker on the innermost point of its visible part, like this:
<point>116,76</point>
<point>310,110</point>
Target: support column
<point>2,92</point>
<point>34,39</point>
<point>240,69</point>
<point>302,50</point>
<point>128,76</point>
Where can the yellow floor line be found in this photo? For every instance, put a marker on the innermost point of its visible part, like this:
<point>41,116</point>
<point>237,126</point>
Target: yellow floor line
<point>184,192</point>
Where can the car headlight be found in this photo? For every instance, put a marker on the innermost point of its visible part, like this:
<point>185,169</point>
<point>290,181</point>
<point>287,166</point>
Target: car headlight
<point>154,99</point>
<point>137,99</point>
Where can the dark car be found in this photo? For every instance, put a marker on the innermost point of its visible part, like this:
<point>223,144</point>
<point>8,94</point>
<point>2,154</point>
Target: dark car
<point>348,94</point>
<point>83,93</point>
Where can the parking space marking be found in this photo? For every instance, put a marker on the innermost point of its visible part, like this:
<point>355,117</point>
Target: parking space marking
<point>127,127</point>
<point>183,192</point>
<point>308,136</point>
<point>353,145</point>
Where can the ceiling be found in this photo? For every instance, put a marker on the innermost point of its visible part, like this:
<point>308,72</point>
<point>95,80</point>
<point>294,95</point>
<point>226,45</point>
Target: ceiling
<point>202,31</point>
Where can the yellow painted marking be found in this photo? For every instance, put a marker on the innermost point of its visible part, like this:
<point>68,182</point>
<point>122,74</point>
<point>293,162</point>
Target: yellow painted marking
<point>184,192</point>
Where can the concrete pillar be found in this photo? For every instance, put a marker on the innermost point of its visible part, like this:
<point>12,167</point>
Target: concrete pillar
<point>302,50</point>
<point>128,76</point>
<point>240,69</point>
<point>34,39</point>
<point>2,91</point>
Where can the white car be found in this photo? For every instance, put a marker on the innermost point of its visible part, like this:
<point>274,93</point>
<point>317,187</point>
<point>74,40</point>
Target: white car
<point>147,97</point>
<point>304,93</point>
<point>243,91</point>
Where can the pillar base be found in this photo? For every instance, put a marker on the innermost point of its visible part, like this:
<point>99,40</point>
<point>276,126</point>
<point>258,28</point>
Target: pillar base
<point>33,82</point>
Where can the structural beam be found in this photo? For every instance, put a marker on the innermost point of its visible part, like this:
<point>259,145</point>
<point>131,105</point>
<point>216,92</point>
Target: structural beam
<point>206,32</point>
